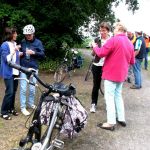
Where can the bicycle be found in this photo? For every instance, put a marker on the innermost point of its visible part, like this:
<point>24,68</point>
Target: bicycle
<point>44,133</point>
<point>88,73</point>
<point>66,67</point>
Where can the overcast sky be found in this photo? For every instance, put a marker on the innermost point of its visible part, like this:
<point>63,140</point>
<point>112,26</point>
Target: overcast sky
<point>139,21</point>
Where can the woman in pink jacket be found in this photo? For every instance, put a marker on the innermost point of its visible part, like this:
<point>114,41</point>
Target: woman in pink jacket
<point>119,54</point>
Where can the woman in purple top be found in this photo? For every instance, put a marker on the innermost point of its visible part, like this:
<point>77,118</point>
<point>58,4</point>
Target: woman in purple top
<point>119,54</point>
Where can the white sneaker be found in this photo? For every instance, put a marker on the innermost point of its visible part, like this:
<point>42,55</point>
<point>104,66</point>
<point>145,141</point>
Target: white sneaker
<point>25,112</point>
<point>93,108</point>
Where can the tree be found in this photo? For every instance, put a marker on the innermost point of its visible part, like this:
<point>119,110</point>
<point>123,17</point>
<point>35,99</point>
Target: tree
<point>57,21</point>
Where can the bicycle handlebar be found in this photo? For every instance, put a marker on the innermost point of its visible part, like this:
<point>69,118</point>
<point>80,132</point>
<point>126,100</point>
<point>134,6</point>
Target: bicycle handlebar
<point>28,81</point>
<point>22,69</point>
<point>56,88</point>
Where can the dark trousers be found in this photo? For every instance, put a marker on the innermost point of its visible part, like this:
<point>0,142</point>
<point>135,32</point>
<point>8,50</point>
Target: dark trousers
<point>97,73</point>
<point>8,103</point>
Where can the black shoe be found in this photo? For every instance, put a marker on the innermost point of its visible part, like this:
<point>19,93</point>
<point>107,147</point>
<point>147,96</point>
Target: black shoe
<point>13,112</point>
<point>122,123</point>
<point>135,87</point>
<point>111,128</point>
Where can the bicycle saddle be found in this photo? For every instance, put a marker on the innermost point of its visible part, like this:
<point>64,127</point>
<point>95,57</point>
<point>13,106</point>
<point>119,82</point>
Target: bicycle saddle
<point>63,89</point>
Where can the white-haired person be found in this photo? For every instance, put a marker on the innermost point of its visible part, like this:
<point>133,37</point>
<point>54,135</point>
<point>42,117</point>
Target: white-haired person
<point>119,54</point>
<point>33,51</point>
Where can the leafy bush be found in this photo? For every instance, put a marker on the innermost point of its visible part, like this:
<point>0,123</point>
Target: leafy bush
<point>48,65</point>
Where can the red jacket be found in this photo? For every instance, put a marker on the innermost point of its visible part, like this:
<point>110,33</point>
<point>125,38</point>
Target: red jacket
<point>119,54</point>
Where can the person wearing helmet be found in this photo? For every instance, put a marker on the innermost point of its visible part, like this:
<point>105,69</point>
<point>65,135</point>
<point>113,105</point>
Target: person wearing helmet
<point>33,51</point>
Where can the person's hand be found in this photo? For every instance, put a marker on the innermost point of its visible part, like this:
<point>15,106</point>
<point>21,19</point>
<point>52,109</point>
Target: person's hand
<point>20,53</point>
<point>93,53</point>
<point>31,69</point>
<point>30,52</point>
<point>18,47</point>
<point>94,44</point>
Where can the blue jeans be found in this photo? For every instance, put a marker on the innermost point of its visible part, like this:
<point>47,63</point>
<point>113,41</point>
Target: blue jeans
<point>114,101</point>
<point>9,98</point>
<point>23,91</point>
<point>137,73</point>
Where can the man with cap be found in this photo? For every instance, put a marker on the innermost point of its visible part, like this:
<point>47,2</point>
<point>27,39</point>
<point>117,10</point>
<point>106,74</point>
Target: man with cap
<point>33,50</point>
<point>139,49</point>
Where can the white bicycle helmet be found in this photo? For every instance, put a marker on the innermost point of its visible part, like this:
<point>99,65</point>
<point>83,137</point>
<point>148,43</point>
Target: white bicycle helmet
<point>28,29</point>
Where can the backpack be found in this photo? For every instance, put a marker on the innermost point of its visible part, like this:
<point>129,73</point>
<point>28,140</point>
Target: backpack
<point>75,118</point>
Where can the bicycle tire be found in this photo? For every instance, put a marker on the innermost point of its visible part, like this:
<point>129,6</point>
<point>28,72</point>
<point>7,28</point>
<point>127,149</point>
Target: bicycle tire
<point>88,72</point>
<point>102,87</point>
<point>36,137</point>
<point>60,73</point>
<point>87,75</point>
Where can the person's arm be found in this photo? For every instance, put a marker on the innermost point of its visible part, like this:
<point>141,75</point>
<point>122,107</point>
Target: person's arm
<point>38,52</point>
<point>137,47</point>
<point>105,49</point>
<point>7,56</point>
<point>132,61</point>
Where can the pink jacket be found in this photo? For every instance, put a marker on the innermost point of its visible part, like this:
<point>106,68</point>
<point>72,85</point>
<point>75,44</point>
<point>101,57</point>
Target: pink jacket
<point>119,54</point>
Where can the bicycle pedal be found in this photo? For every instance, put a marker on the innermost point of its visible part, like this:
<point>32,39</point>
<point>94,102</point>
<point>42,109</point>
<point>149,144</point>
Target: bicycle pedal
<point>58,143</point>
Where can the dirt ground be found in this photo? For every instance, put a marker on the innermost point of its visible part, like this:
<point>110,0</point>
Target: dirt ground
<point>136,136</point>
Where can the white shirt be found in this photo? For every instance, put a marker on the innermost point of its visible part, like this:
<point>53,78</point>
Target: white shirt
<point>12,56</point>
<point>101,61</point>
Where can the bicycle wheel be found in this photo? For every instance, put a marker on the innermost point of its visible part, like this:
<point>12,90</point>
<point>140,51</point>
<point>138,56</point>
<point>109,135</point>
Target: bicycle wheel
<point>34,138</point>
<point>60,73</point>
<point>87,75</point>
<point>102,87</point>
<point>89,71</point>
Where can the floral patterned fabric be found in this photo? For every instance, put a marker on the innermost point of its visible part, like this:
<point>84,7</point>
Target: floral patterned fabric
<point>75,116</point>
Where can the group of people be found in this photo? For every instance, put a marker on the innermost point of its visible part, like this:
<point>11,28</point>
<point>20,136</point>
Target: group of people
<point>113,58</point>
<point>121,53</point>
<point>27,55</point>
<point>141,44</point>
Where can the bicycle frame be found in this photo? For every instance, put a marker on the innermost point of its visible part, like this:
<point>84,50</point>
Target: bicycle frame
<point>65,67</point>
<point>71,63</point>
<point>51,126</point>
<point>35,126</point>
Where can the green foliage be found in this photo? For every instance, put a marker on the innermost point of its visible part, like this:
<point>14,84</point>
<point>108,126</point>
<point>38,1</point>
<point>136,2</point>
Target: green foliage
<point>48,65</point>
<point>86,43</point>
<point>56,21</point>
